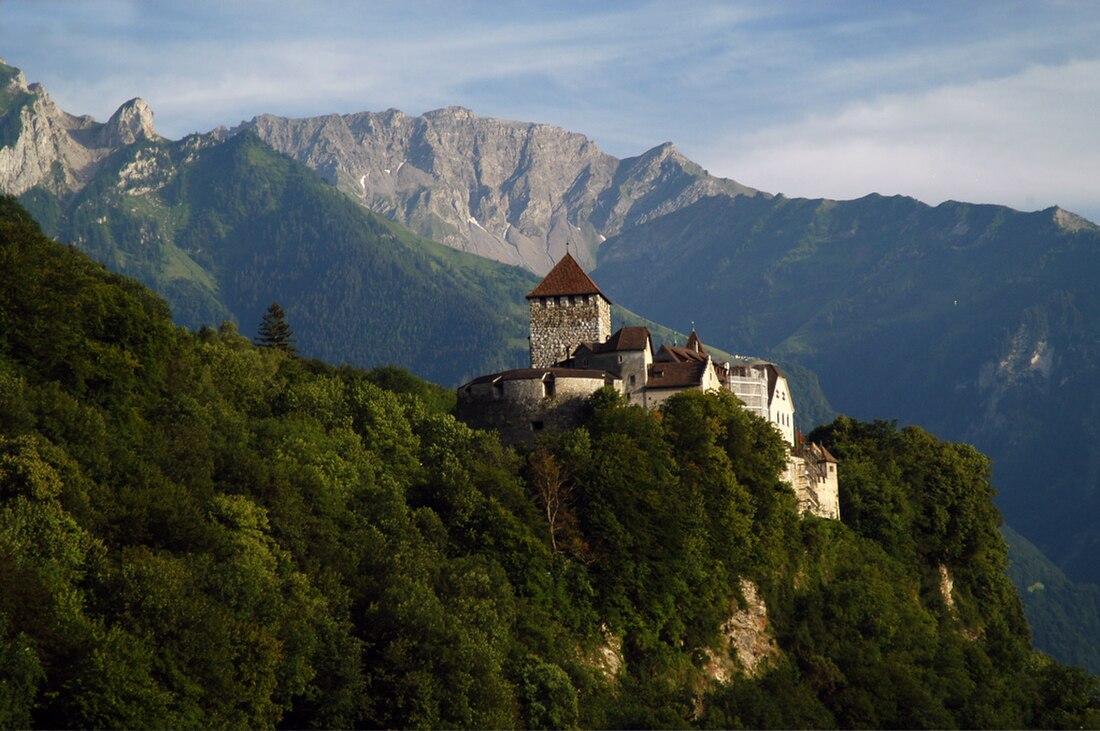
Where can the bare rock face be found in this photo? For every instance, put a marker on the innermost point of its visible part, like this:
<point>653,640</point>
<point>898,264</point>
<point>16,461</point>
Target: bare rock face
<point>511,191</point>
<point>41,144</point>
<point>746,634</point>
<point>132,122</point>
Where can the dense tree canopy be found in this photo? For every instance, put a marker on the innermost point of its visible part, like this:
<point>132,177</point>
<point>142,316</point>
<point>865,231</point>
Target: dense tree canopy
<point>197,532</point>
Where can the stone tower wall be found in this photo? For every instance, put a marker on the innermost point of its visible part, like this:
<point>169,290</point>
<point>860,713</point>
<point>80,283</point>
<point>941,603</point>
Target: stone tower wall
<point>558,324</point>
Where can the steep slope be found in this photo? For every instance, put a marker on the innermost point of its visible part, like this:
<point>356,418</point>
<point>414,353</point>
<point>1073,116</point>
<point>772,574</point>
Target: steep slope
<point>1064,615</point>
<point>223,228</point>
<point>977,322</point>
<point>510,191</point>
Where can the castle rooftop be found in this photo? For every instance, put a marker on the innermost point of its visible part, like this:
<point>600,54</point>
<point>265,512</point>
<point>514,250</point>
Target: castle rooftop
<point>624,339</point>
<point>678,375</point>
<point>566,278</point>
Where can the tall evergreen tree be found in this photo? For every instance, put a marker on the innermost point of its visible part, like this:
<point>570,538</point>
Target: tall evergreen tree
<point>275,330</point>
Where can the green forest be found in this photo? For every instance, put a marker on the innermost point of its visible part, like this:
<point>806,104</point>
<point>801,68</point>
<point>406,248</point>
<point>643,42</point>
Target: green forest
<point>197,531</point>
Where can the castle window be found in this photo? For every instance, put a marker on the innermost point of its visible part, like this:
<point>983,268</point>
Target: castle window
<point>548,389</point>
<point>557,301</point>
<point>585,300</point>
<point>572,300</point>
<point>536,426</point>
<point>632,380</point>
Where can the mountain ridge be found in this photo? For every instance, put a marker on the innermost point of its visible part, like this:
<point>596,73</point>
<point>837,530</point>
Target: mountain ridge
<point>512,191</point>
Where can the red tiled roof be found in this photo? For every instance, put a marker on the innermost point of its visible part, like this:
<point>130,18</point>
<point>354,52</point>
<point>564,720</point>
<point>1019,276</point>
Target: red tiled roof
<point>677,354</point>
<point>675,375</point>
<point>566,278</point>
<point>630,338</point>
<point>625,338</point>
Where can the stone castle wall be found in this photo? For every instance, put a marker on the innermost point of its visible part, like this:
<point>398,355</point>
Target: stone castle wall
<point>559,323</point>
<point>519,409</point>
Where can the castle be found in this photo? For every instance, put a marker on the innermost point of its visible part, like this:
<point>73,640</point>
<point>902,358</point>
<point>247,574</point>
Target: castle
<point>574,354</point>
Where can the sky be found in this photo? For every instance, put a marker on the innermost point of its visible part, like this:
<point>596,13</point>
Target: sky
<point>987,102</point>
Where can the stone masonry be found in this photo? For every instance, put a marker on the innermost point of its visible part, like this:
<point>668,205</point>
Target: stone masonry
<point>558,323</point>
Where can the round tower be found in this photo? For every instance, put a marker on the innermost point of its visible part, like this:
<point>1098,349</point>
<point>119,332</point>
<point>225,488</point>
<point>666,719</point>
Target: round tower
<point>567,308</point>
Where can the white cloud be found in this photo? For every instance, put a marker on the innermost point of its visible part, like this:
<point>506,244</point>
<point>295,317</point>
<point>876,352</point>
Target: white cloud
<point>1027,140</point>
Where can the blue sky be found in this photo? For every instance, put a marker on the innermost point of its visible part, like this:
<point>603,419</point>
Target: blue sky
<point>991,102</point>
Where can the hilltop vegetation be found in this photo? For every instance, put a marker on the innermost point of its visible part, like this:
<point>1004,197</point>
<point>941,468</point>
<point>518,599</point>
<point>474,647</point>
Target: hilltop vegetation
<point>196,532</point>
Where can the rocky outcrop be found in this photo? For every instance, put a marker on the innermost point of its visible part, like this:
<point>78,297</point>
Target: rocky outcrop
<point>511,191</point>
<point>746,643</point>
<point>132,122</point>
<point>606,658</point>
<point>42,145</point>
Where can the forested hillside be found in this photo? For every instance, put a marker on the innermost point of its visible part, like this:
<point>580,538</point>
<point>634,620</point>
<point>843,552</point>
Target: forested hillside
<point>197,532</point>
<point>976,321</point>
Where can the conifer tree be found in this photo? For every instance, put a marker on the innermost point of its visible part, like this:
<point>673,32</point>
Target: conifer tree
<point>275,331</point>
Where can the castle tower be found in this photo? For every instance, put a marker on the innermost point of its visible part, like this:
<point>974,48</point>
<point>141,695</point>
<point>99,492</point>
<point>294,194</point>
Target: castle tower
<point>567,308</point>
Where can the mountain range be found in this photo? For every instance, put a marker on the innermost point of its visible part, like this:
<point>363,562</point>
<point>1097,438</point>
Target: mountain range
<point>975,321</point>
<point>515,192</point>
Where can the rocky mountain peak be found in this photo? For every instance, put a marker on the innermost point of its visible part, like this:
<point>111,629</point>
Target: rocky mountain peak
<point>1070,221</point>
<point>132,121</point>
<point>12,78</point>
<point>44,145</point>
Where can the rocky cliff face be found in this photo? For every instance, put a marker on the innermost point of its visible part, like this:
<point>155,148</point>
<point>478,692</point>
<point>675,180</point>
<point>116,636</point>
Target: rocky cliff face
<point>511,191</point>
<point>42,145</point>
